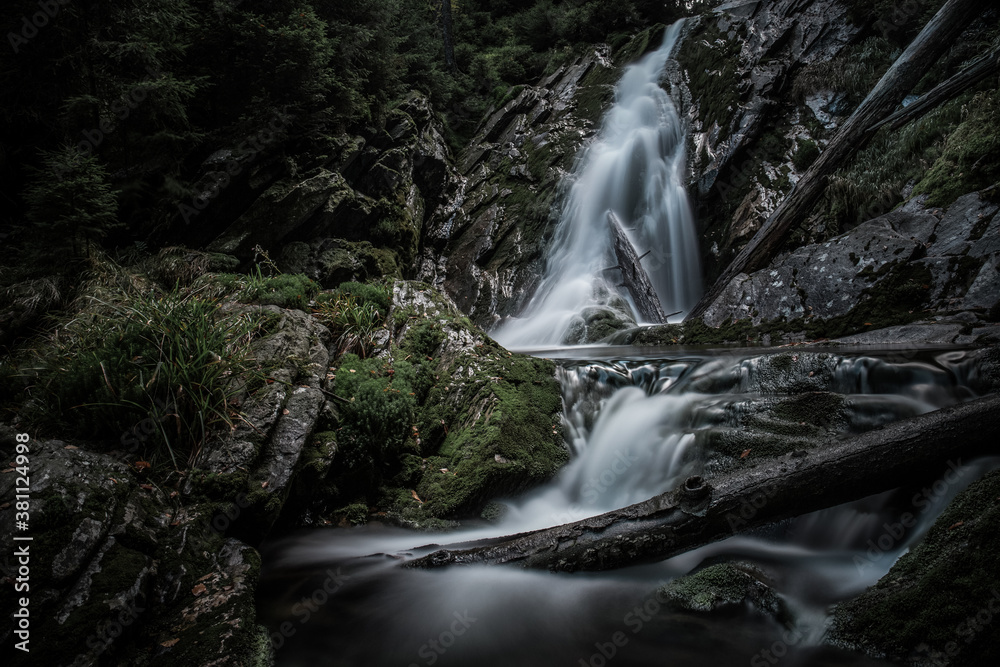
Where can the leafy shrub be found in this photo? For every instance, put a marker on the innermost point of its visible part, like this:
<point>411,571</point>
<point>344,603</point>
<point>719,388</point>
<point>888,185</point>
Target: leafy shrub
<point>379,415</point>
<point>284,290</point>
<point>805,154</point>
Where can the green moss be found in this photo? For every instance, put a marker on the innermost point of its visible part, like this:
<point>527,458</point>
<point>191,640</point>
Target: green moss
<point>285,291</point>
<point>710,59</point>
<point>504,438</point>
<point>806,153</point>
<point>968,162</point>
<point>930,595</point>
<point>720,585</point>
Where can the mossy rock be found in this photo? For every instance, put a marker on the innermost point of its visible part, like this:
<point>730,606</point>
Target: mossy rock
<point>931,607</point>
<point>722,585</point>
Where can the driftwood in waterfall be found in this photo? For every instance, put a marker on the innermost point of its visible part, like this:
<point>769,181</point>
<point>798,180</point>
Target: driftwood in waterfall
<point>634,277</point>
<point>978,70</point>
<point>700,513</point>
<point>937,37</point>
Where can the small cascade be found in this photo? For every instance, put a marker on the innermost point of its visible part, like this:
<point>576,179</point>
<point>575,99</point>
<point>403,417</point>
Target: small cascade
<point>635,169</point>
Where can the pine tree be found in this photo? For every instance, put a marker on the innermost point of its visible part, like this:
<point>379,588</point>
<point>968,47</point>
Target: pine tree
<point>70,201</point>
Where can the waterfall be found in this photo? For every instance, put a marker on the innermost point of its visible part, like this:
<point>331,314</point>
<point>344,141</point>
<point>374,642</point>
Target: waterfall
<point>636,168</point>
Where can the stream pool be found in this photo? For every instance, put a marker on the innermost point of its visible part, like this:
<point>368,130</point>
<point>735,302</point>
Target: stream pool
<point>636,423</point>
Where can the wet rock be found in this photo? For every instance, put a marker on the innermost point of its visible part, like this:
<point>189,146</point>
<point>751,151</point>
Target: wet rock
<point>352,191</point>
<point>484,246</point>
<point>938,603</point>
<point>261,455</point>
<point>719,586</point>
<point>109,560</point>
<point>914,259</point>
<point>460,421</point>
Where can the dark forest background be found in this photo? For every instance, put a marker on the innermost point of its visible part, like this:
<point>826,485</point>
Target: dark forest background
<point>110,108</point>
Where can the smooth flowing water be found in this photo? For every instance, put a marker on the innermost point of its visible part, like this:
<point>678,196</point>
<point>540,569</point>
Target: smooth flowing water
<point>636,426</point>
<point>636,168</point>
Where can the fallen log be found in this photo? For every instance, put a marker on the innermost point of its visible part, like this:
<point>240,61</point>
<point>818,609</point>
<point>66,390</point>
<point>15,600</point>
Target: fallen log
<point>699,512</point>
<point>634,277</point>
<point>978,70</point>
<point>937,37</point>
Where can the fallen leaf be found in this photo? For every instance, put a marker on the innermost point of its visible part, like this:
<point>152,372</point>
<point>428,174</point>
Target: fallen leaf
<point>207,576</point>
<point>4,506</point>
<point>443,469</point>
<point>416,497</point>
<point>71,447</point>
<point>169,643</point>
<point>264,485</point>
<point>142,465</point>
<point>7,470</point>
<point>746,453</point>
<point>147,487</point>
<point>198,590</point>
<point>868,324</point>
<point>175,523</point>
<point>285,411</point>
<point>955,525</point>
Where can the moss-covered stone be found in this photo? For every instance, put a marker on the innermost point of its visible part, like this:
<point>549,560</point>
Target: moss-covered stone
<point>939,604</point>
<point>719,586</point>
<point>443,419</point>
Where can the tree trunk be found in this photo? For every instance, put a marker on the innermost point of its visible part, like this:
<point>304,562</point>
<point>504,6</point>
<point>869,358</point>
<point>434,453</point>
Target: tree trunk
<point>936,38</point>
<point>981,68</point>
<point>449,44</point>
<point>700,513</point>
<point>634,277</point>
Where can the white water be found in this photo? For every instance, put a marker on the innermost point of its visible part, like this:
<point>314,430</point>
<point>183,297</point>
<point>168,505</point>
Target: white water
<point>636,168</point>
<point>633,426</point>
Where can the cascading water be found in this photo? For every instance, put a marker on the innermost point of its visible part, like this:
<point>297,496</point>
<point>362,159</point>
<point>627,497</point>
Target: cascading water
<point>636,427</point>
<point>636,168</point>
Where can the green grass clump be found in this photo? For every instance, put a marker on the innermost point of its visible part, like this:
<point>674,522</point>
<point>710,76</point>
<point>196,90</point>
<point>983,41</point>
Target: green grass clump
<point>152,373</point>
<point>283,290</point>
<point>968,161</point>
<point>873,182</point>
<point>355,313</point>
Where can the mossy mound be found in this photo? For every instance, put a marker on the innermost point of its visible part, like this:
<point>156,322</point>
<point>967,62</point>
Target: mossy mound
<point>940,602</point>
<point>722,585</point>
<point>441,420</point>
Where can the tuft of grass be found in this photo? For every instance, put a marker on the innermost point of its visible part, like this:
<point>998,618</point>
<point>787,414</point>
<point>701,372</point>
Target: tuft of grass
<point>968,159</point>
<point>806,153</point>
<point>873,182</point>
<point>172,361</point>
<point>354,313</point>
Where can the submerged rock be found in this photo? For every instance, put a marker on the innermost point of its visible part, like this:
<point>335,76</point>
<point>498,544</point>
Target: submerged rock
<point>723,585</point>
